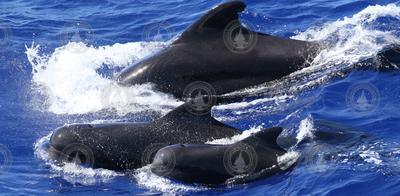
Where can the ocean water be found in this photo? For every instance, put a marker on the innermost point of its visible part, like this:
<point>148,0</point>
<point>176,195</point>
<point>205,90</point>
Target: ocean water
<point>51,76</point>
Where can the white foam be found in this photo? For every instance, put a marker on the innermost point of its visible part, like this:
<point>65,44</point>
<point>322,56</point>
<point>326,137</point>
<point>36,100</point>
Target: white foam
<point>72,84</point>
<point>144,177</point>
<point>239,105</point>
<point>370,156</point>
<point>71,172</point>
<point>236,138</point>
<point>288,159</point>
<point>306,129</point>
<point>352,39</point>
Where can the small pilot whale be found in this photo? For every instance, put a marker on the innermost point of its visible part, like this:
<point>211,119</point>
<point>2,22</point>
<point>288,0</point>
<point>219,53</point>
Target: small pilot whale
<point>215,164</point>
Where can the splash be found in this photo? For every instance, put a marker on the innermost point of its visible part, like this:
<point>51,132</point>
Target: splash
<point>72,83</point>
<point>371,156</point>
<point>71,172</point>
<point>236,138</point>
<point>353,39</point>
<point>346,41</point>
<point>144,177</point>
<point>288,159</point>
<point>306,130</point>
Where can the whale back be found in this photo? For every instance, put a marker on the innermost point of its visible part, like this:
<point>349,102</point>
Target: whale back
<point>181,120</point>
<point>201,53</point>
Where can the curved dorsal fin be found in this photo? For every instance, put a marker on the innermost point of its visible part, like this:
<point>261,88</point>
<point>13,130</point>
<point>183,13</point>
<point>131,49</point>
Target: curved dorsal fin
<point>267,136</point>
<point>217,18</point>
<point>181,112</point>
<point>181,115</point>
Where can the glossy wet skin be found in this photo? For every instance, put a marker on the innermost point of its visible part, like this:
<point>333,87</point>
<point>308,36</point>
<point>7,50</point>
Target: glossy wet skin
<point>120,146</point>
<point>215,164</point>
<point>201,54</point>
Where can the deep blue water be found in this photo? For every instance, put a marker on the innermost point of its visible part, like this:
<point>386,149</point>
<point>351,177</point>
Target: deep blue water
<point>55,84</point>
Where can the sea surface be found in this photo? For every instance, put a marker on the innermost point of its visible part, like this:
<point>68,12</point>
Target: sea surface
<point>58,59</point>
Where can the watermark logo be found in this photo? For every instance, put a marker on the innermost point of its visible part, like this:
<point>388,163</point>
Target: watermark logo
<point>5,159</point>
<point>317,159</point>
<point>5,35</point>
<point>199,97</point>
<point>239,39</point>
<point>78,33</point>
<point>363,97</point>
<point>240,159</point>
<point>159,32</point>
<point>78,154</point>
<point>114,96</point>
<point>164,162</point>
<point>150,152</point>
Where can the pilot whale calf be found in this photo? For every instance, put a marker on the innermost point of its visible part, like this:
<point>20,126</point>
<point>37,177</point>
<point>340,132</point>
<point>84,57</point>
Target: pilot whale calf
<point>120,146</point>
<point>215,164</point>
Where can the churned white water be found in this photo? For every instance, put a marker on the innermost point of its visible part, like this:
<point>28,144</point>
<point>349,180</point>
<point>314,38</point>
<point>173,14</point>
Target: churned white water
<point>71,172</point>
<point>72,84</point>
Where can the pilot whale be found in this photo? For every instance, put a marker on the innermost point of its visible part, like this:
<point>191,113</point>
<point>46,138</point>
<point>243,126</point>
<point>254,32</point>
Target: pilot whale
<point>204,53</point>
<point>214,164</point>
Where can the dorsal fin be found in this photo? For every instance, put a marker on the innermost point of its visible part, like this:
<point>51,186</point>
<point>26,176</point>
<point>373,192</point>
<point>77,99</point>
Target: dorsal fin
<point>182,112</point>
<point>181,115</point>
<point>267,136</point>
<point>217,18</point>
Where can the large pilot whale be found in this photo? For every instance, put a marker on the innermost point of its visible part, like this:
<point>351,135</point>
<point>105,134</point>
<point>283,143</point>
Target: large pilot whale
<point>206,52</point>
<point>210,51</point>
<point>121,146</point>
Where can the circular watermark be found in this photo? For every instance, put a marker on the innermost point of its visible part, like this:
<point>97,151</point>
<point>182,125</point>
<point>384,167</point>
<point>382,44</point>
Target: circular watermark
<point>240,159</point>
<point>239,39</point>
<point>113,96</point>
<point>158,32</point>
<point>78,34</point>
<point>199,97</point>
<point>5,159</point>
<point>164,162</point>
<point>150,152</point>
<point>78,154</point>
<point>317,159</point>
<point>5,35</point>
<point>363,97</point>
